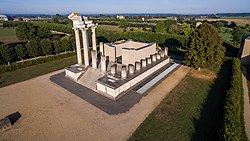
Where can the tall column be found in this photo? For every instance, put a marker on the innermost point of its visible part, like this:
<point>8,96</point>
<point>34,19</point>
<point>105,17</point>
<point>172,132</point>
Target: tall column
<point>94,61</point>
<point>101,48</point>
<point>93,38</point>
<point>103,63</point>
<point>85,46</point>
<point>78,46</point>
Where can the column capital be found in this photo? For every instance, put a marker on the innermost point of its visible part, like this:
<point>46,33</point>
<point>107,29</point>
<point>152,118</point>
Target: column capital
<point>83,29</point>
<point>75,28</point>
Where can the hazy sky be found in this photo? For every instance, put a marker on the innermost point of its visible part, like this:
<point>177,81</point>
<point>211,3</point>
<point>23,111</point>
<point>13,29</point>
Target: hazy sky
<point>123,6</point>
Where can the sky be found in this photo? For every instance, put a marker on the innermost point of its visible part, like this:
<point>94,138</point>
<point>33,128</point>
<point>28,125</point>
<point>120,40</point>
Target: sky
<point>123,6</point>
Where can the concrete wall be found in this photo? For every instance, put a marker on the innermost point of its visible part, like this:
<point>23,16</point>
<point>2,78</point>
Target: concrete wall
<point>110,51</point>
<point>245,48</point>
<point>72,75</point>
<point>131,56</point>
<point>115,92</point>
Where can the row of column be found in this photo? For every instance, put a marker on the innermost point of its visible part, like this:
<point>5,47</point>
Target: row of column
<point>85,44</point>
<point>143,63</point>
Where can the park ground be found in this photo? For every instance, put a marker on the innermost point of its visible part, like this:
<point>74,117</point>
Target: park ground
<point>51,113</point>
<point>192,111</point>
<point>8,35</point>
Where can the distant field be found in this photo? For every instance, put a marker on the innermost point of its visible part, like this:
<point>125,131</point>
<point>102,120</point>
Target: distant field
<point>8,35</point>
<point>238,21</point>
<point>115,28</point>
<point>110,27</point>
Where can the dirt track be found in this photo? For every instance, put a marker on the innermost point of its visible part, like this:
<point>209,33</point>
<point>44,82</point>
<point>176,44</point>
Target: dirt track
<point>52,113</point>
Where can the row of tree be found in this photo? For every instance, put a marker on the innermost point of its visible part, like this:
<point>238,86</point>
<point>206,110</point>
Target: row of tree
<point>35,48</point>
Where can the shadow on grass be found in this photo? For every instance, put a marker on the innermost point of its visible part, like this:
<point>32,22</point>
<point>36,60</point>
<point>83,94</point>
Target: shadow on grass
<point>208,126</point>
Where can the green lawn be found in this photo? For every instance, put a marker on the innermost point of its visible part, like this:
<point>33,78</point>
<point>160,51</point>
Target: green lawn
<point>8,35</point>
<point>192,111</point>
<point>34,71</point>
<point>226,36</point>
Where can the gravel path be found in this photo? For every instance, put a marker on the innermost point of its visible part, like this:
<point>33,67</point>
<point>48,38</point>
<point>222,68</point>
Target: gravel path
<point>246,104</point>
<point>52,113</point>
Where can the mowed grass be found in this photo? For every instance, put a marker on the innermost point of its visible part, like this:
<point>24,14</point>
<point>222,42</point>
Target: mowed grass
<point>192,111</point>
<point>34,71</point>
<point>110,27</point>
<point>8,35</point>
<point>226,35</point>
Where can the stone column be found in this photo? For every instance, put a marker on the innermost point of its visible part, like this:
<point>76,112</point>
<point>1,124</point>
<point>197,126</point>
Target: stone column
<point>93,38</point>
<point>101,48</point>
<point>131,69</point>
<point>138,66</point>
<point>153,57</point>
<point>103,63</point>
<point>158,56</point>
<point>113,69</point>
<point>162,53</point>
<point>78,46</point>
<point>143,63</point>
<point>85,46</point>
<point>94,60</point>
<point>166,51</point>
<point>123,72</point>
<point>149,60</point>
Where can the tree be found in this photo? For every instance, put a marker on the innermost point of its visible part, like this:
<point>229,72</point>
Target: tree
<point>123,23</point>
<point>21,51</point>
<point>7,53</point>
<point>57,46</point>
<point>218,25</point>
<point>43,32</point>
<point>205,48</point>
<point>33,48</point>
<point>46,46</point>
<point>55,20</point>
<point>187,29</point>
<point>238,33</point>
<point>66,46</point>
<point>160,27</point>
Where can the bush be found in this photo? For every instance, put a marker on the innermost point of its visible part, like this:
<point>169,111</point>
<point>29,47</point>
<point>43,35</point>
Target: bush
<point>20,65</point>
<point>233,128</point>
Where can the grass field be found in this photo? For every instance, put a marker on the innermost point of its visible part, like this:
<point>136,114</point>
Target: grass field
<point>34,71</point>
<point>8,35</point>
<point>115,28</point>
<point>238,21</point>
<point>226,36</point>
<point>192,111</point>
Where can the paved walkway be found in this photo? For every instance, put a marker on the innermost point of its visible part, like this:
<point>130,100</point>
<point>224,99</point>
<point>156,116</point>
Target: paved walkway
<point>246,103</point>
<point>52,113</point>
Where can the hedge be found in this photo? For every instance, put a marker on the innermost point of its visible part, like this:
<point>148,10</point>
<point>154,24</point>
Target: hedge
<point>233,122</point>
<point>24,64</point>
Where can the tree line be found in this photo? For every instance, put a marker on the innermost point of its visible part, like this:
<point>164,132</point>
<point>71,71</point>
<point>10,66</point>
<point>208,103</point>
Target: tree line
<point>40,42</point>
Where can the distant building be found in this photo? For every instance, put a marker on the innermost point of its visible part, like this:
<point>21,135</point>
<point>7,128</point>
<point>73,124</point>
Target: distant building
<point>120,17</point>
<point>143,19</point>
<point>244,53</point>
<point>3,18</point>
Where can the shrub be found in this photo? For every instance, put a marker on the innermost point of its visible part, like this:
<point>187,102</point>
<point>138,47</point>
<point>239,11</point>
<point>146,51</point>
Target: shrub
<point>20,65</point>
<point>233,122</point>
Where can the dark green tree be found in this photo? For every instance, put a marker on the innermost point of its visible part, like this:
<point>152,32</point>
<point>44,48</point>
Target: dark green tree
<point>57,46</point>
<point>7,53</point>
<point>66,46</point>
<point>205,48</point>
<point>46,45</point>
<point>238,33</point>
<point>33,48</point>
<point>21,51</point>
